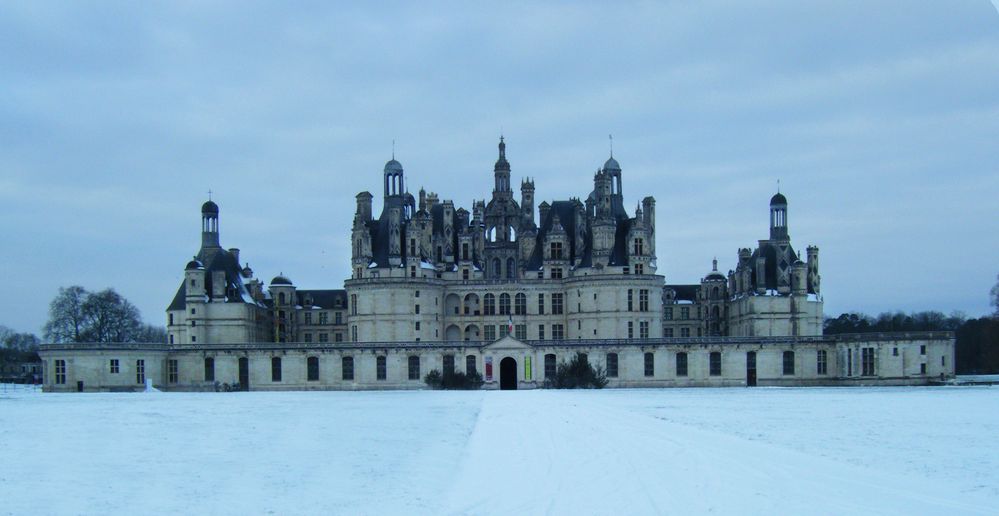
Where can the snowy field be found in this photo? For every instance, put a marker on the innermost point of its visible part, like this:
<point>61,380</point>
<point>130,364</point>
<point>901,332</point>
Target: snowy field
<point>674,451</point>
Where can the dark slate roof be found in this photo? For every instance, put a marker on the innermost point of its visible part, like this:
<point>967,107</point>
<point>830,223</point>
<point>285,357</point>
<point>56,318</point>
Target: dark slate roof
<point>684,292</point>
<point>566,211</point>
<point>770,267</point>
<point>216,259</point>
<point>327,299</point>
<point>778,199</point>
<point>280,280</point>
<point>210,208</point>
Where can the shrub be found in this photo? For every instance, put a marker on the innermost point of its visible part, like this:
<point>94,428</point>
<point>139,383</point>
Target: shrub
<point>453,381</point>
<point>577,374</point>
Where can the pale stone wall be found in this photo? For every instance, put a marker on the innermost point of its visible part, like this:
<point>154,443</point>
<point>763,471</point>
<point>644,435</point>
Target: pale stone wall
<point>762,316</point>
<point>90,363</point>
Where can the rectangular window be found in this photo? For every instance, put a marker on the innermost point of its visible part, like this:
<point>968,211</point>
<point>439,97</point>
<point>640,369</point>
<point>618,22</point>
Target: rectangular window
<point>557,303</point>
<point>172,371</point>
<point>324,337</point>
<point>353,304</point>
<point>520,332</point>
<point>324,318</point>
<point>170,320</point>
<point>558,332</point>
<point>470,364</point>
<point>490,332</point>
<point>639,268</point>
<point>555,250</point>
<point>943,361</point>
<point>630,301</point>
<point>922,349</point>
<point>631,330</point>
<point>308,317</point>
<point>541,304</point>
<point>448,365</point>
<point>414,367</point>
<point>894,351</point>
<point>312,366</point>
<point>922,368</point>
<point>668,333</point>
<point>416,308</point>
<point>307,337</point>
<point>550,366</point>
<point>643,300</point>
<point>789,362</point>
<point>643,329</point>
<point>821,364</point>
<point>541,332</point>
<point>417,325</point>
<point>347,368</point>
<point>612,365</point>
<point>353,333</point>
<point>668,313</point>
<point>339,318</point>
<point>114,366</point>
<point>867,361</point>
<point>140,371</point>
<point>685,332</point>
<point>464,274</point>
<point>650,364</point>
<point>275,369</point>
<point>380,368</point>
<point>338,337</point>
<point>209,369</point>
<point>60,372</point>
<point>685,313</point>
<point>556,273</point>
<point>714,363</point>
<point>681,364</point>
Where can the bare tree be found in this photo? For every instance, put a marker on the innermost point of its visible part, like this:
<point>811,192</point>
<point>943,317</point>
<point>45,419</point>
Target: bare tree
<point>67,322</point>
<point>110,318</point>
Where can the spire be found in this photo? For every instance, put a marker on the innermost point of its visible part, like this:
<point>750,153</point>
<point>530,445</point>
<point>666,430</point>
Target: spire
<point>714,264</point>
<point>611,138</point>
<point>502,149</point>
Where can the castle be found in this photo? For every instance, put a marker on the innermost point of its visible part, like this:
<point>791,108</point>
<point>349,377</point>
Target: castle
<point>431,282</point>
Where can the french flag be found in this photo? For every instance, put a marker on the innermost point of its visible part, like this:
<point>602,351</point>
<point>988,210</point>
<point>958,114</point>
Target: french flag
<point>509,325</point>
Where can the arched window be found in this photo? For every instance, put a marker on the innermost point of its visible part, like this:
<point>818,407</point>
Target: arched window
<point>504,304</point>
<point>209,369</point>
<point>470,365</point>
<point>489,304</point>
<point>497,268</point>
<point>511,268</point>
<point>281,298</point>
<point>520,304</point>
<point>414,367</point>
<point>276,369</point>
<point>612,365</point>
<point>714,293</point>
<point>789,362</point>
<point>380,368</point>
<point>650,365</point>
<point>347,368</point>
<point>716,312</point>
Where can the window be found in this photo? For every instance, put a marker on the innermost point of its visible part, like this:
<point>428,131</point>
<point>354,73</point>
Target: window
<point>557,303</point>
<point>638,248</point>
<point>643,329</point>
<point>380,368</point>
<point>464,274</point>
<point>417,325</point>
<point>171,338</point>
<point>464,253</point>
<point>194,339</point>
<point>821,362</point>
<point>631,295</point>
<point>894,351</point>
<point>209,369</point>
<point>541,332</point>
<point>275,369</point>
<point>625,270</point>
<point>650,364</point>
<point>643,300</point>
<point>555,250</point>
<point>789,362</point>
<point>353,333</point>
<point>541,304</point>
<point>849,362</point>
<point>324,337</point>
<point>685,313</point>
<point>922,368</point>
<point>312,369</point>
<point>556,272</point>
<point>867,361</point>
<point>353,304</point>
<point>714,363</point>
<point>414,367</point>
<point>307,337</point>
<point>631,330</point>
<point>469,364</point>
<point>347,368</point>
<point>114,366</point>
<point>558,332</point>
<point>943,361</point>
<point>172,371</point>
<point>668,314</point>
<point>520,304</point>
<point>416,308</point>
<point>448,365</point>
<point>520,332</point>
<point>504,304</point>
<point>922,349</point>
<point>338,337</point>
<point>60,372</point>
<point>489,304</point>
<point>549,366</point>
<point>324,318</point>
<point>169,319</point>
<point>612,365</point>
<point>685,332</point>
<point>308,317</point>
<point>140,371</point>
<point>681,364</point>
<point>639,268</point>
<point>490,332</point>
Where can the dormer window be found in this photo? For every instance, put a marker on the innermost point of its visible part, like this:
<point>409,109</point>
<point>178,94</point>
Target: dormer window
<point>555,250</point>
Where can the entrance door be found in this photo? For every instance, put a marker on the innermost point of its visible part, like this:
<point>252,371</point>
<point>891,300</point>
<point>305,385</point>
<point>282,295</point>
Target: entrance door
<point>244,374</point>
<point>508,374</point>
<point>751,369</point>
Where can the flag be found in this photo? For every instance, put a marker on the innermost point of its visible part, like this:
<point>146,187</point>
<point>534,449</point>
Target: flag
<point>509,325</point>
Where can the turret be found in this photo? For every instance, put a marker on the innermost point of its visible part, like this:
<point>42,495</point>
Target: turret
<point>527,201</point>
<point>501,173</point>
<point>799,278</point>
<point>363,213</point>
<point>209,225</point>
<point>814,279</point>
<point>393,178</point>
<point>778,217</point>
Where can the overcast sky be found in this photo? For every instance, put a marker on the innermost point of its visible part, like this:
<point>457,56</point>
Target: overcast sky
<point>881,120</point>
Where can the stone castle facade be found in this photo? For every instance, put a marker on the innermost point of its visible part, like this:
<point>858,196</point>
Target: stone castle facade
<point>506,290</point>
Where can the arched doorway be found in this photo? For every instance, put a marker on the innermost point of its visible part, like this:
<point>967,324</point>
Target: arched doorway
<point>508,374</point>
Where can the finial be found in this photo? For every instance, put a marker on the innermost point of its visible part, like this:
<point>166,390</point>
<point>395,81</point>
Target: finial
<point>209,194</point>
<point>393,148</point>
<point>778,185</point>
<point>611,138</point>
<point>714,264</point>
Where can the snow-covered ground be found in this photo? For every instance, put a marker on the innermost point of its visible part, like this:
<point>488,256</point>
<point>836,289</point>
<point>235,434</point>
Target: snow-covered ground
<point>670,451</point>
